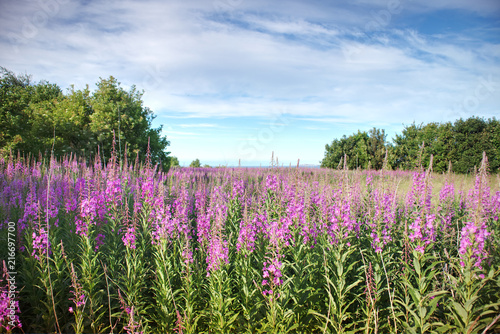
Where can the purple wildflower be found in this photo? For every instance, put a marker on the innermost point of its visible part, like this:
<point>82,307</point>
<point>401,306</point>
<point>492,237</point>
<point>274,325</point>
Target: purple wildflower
<point>99,241</point>
<point>203,217</point>
<point>78,295</point>
<point>31,207</point>
<point>238,188</point>
<point>9,307</point>
<point>472,243</point>
<point>113,193</point>
<point>40,243</point>
<point>129,238</point>
<point>132,324</point>
<point>272,183</point>
<point>218,250</point>
<point>272,271</point>
<point>247,236</point>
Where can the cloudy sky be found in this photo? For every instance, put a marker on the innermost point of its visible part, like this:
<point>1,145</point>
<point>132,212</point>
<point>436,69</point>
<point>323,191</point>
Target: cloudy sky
<point>240,79</point>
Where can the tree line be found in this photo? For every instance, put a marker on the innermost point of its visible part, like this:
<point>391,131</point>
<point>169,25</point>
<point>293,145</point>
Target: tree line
<point>459,144</point>
<point>38,118</point>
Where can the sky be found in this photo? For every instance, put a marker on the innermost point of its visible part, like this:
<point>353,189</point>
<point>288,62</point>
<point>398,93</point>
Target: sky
<point>236,81</point>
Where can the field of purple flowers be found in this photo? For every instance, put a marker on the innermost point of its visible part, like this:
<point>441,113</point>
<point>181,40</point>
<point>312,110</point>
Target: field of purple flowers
<point>120,247</point>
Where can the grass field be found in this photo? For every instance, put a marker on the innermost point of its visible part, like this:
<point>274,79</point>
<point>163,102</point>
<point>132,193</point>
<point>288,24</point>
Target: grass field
<point>94,248</point>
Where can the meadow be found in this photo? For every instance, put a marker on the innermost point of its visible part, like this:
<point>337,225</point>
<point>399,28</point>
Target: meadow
<point>120,247</point>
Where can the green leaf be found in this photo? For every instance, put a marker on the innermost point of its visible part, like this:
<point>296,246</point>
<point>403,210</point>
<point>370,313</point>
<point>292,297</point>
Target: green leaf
<point>415,295</point>
<point>445,328</point>
<point>340,270</point>
<point>422,311</point>
<point>470,303</point>
<point>460,311</point>
<point>416,264</point>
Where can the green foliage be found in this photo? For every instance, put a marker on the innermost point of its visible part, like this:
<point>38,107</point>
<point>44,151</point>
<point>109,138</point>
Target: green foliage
<point>461,143</point>
<point>23,104</point>
<point>473,137</point>
<point>34,117</point>
<point>418,281</point>
<point>174,162</point>
<point>407,147</point>
<point>195,163</point>
<point>340,282</point>
<point>221,316</point>
<point>363,150</point>
<point>120,114</point>
<point>469,310</point>
<point>91,274</point>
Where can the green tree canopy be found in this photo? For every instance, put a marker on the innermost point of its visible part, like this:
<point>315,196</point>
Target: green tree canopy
<point>472,137</point>
<point>362,150</point>
<point>20,104</point>
<point>120,113</point>
<point>174,162</point>
<point>36,116</point>
<point>195,163</point>
<point>462,143</point>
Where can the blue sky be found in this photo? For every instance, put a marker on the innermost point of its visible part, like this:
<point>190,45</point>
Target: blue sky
<point>240,79</point>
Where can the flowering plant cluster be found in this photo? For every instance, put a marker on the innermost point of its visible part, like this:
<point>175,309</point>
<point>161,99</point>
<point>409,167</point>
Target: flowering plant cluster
<point>124,247</point>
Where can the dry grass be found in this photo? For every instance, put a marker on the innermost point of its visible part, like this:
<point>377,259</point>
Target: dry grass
<point>401,182</point>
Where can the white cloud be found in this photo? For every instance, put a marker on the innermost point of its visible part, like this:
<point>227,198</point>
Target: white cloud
<point>291,26</point>
<point>233,58</point>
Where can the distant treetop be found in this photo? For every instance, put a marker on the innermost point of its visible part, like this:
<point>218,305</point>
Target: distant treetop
<point>461,143</point>
<point>34,117</point>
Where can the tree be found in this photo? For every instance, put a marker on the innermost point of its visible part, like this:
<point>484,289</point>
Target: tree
<point>360,149</point>
<point>195,163</point>
<point>20,100</point>
<point>462,143</point>
<point>439,142</point>
<point>36,117</point>
<point>174,162</point>
<point>473,137</point>
<point>60,122</point>
<point>121,114</point>
<point>492,136</point>
<point>407,147</point>
<point>376,147</point>
<point>333,154</point>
